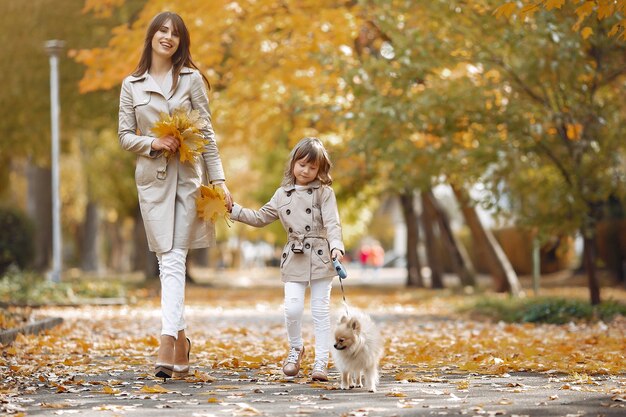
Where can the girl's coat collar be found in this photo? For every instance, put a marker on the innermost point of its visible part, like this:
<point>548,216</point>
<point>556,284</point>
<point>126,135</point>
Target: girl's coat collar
<point>312,184</point>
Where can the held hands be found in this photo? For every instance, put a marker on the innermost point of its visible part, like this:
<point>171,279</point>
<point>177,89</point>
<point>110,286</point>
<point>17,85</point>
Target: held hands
<point>166,143</point>
<point>229,198</point>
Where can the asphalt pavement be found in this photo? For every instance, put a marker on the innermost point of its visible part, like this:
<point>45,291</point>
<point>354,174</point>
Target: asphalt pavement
<point>246,394</point>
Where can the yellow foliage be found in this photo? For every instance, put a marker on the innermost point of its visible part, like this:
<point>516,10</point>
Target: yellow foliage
<point>211,204</point>
<point>101,8</point>
<point>186,127</point>
<point>574,131</point>
<point>606,8</point>
<point>583,10</point>
<point>554,4</point>
<point>506,10</point>
<point>529,10</point>
<point>586,32</point>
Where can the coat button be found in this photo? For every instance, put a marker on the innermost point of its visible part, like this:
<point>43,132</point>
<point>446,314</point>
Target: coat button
<point>308,211</point>
<point>288,211</point>
<point>307,228</point>
<point>284,255</point>
<point>319,252</point>
<point>288,193</point>
<point>310,191</point>
<point>307,246</point>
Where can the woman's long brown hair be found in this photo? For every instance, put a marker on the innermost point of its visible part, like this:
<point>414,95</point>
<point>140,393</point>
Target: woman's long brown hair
<point>182,56</point>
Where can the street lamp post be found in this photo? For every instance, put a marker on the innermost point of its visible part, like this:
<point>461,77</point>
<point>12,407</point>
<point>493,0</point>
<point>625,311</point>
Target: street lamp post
<point>53,49</point>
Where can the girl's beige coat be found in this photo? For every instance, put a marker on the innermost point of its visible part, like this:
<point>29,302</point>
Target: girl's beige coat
<point>168,189</point>
<point>311,220</point>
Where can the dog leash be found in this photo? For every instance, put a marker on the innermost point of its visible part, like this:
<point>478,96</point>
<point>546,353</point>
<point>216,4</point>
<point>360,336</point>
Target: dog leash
<point>343,295</point>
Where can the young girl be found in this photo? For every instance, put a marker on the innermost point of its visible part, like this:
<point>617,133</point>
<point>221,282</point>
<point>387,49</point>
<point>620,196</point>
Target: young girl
<point>306,206</point>
<point>166,79</point>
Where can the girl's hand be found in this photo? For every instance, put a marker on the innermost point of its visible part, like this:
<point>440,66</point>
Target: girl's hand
<point>336,253</point>
<point>229,198</point>
<point>166,143</point>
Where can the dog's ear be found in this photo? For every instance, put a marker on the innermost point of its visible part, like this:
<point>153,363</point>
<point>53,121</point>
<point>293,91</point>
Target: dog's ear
<point>355,325</point>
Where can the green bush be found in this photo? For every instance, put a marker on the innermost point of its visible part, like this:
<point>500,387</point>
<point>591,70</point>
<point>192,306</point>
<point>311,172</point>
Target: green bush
<point>545,310</point>
<point>16,239</point>
<point>29,288</point>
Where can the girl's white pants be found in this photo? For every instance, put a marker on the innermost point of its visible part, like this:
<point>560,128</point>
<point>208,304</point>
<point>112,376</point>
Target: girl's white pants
<point>320,310</point>
<point>172,274</point>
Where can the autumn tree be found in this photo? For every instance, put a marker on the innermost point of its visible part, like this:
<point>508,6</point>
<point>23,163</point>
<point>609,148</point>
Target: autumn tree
<point>584,11</point>
<point>25,148</point>
<point>563,122</point>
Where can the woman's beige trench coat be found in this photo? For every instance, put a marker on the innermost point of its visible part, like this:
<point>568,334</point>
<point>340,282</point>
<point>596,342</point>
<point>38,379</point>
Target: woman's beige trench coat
<point>168,189</point>
<point>311,219</point>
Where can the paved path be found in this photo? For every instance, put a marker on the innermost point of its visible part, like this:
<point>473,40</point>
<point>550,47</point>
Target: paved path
<point>99,387</point>
<point>246,394</point>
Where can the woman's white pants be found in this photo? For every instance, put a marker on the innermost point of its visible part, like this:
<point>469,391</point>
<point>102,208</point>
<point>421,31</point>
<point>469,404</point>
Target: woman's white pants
<point>320,311</point>
<point>172,274</point>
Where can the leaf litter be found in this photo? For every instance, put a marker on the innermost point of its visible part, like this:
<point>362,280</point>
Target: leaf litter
<point>427,342</point>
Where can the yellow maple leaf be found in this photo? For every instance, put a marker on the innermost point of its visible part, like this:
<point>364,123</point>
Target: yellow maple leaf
<point>211,204</point>
<point>529,10</point>
<point>505,10</point>
<point>154,389</point>
<point>554,4</point>
<point>108,390</point>
<point>606,8</point>
<point>582,12</point>
<point>186,128</point>
<point>586,32</point>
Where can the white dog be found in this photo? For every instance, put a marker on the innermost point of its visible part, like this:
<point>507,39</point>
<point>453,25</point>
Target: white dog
<point>358,349</point>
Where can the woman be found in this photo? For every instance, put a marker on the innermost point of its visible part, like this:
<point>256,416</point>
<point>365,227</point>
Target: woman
<point>167,79</point>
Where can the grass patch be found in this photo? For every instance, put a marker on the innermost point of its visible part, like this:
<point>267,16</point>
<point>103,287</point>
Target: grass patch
<point>552,310</point>
<point>29,288</point>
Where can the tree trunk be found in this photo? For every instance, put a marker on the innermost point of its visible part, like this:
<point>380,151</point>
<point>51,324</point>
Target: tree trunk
<point>590,266</point>
<point>144,260</point>
<point>39,207</point>
<point>461,262</point>
<point>414,275</point>
<point>505,278</point>
<point>89,238</point>
<point>429,219</point>
<point>589,255</point>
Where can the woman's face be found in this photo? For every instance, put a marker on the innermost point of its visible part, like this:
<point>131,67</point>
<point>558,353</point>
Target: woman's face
<point>165,41</point>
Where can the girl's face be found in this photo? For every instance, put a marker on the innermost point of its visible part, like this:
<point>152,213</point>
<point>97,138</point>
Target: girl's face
<point>305,172</point>
<point>165,41</point>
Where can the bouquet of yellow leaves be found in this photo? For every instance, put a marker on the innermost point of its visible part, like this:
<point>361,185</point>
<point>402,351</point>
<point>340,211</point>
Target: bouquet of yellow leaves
<point>211,204</point>
<point>186,127</point>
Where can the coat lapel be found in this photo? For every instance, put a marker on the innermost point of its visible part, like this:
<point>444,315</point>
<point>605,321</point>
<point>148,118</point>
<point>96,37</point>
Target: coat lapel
<point>170,92</point>
<point>146,83</point>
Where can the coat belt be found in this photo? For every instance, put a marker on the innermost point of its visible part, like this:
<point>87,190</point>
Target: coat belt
<point>297,239</point>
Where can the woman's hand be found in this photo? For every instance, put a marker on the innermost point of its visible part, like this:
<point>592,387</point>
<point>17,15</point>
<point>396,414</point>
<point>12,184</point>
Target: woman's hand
<point>166,143</point>
<point>229,198</point>
<point>336,253</point>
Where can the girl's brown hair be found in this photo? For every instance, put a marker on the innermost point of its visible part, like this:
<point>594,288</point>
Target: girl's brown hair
<point>312,150</point>
<point>182,56</point>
